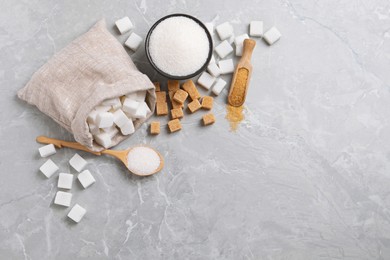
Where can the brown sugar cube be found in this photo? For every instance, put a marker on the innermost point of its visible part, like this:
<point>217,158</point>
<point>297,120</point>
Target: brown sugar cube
<point>207,102</point>
<point>157,86</point>
<point>174,125</point>
<point>155,128</point>
<point>174,103</point>
<point>180,96</point>
<point>173,85</point>
<point>208,119</point>
<point>191,89</point>
<point>161,97</point>
<point>194,106</point>
<point>162,108</point>
<point>177,113</point>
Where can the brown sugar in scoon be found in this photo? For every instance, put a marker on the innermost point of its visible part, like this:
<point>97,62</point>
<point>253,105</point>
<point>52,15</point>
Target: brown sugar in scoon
<point>177,113</point>
<point>237,96</point>
<point>180,96</point>
<point>174,103</point>
<point>191,89</point>
<point>173,85</point>
<point>207,102</point>
<point>234,115</point>
<point>208,119</point>
<point>194,106</point>
<point>155,128</point>
<point>161,96</point>
<point>157,86</point>
<point>162,108</point>
<point>174,125</point>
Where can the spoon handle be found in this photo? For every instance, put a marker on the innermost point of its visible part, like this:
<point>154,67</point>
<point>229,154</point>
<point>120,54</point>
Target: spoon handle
<point>59,144</point>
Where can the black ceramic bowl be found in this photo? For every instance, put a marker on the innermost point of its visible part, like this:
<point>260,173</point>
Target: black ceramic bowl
<point>173,76</point>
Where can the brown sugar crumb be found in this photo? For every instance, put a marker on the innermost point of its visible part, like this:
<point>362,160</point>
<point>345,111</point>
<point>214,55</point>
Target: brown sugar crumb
<point>155,128</point>
<point>194,106</point>
<point>174,125</point>
<point>157,86</point>
<point>238,93</point>
<point>191,89</point>
<point>207,102</point>
<point>174,103</point>
<point>162,108</point>
<point>173,85</point>
<point>177,113</point>
<point>234,115</point>
<point>180,96</point>
<point>208,119</point>
<point>161,97</point>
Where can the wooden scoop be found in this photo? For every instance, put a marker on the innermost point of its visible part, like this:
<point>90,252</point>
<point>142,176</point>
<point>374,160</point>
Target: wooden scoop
<point>242,75</point>
<point>121,155</point>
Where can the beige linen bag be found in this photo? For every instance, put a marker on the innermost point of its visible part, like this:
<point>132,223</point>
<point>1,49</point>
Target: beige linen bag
<point>92,68</point>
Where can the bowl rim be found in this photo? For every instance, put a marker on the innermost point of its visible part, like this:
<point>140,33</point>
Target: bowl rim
<point>201,69</point>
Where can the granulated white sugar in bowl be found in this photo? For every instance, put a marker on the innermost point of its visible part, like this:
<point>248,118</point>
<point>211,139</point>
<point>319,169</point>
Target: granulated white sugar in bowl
<point>179,46</point>
<point>143,160</point>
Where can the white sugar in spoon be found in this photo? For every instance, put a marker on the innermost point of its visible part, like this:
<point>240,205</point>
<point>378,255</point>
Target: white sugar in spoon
<point>135,154</point>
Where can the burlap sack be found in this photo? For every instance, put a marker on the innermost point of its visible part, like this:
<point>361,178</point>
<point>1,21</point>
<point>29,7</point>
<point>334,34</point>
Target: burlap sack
<point>92,68</point>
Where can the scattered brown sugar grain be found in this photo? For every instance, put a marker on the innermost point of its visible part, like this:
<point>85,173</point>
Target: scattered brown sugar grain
<point>174,125</point>
<point>155,128</point>
<point>174,103</point>
<point>177,113</point>
<point>161,97</point>
<point>207,102</point>
<point>161,108</point>
<point>157,86</point>
<point>194,106</point>
<point>191,89</point>
<point>180,96</point>
<point>237,96</point>
<point>173,85</point>
<point>234,115</point>
<point>208,119</point>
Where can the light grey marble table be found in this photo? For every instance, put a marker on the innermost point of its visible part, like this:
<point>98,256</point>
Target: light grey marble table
<point>306,176</point>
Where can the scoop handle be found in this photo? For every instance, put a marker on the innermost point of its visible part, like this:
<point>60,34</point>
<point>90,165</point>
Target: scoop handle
<point>60,143</point>
<point>249,46</point>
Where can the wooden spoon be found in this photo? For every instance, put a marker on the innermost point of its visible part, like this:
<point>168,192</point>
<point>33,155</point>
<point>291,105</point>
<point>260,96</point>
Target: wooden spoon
<point>242,75</point>
<point>121,155</point>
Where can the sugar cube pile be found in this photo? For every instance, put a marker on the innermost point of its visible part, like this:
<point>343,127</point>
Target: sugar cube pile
<point>116,116</point>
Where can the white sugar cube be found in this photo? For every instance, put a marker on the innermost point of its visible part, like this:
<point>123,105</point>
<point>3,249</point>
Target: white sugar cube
<point>101,109</point>
<point>239,50</point>
<point>63,198</point>
<point>116,106</point>
<point>224,49</point>
<point>142,111</point>
<point>77,162</point>
<point>213,69</point>
<point>124,25</point>
<point>130,106</point>
<point>48,168</point>
<point>111,102</point>
<point>206,80</point>
<point>92,117</point>
<point>103,139</point>
<point>224,30</point>
<point>133,42</point>
<point>120,118</point>
<point>226,66</point>
<point>212,60</point>
<point>127,128</point>
<point>93,129</point>
<point>137,96</point>
<point>65,181</point>
<point>47,150</point>
<point>256,28</point>
<point>210,28</point>
<point>272,35</point>
<point>239,43</point>
<point>105,119</point>
<point>86,179</point>
<point>111,131</point>
<point>218,86</point>
<point>77,213</point>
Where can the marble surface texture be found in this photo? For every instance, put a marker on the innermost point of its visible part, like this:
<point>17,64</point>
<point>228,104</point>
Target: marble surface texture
<point>305,176</point>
